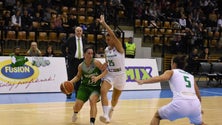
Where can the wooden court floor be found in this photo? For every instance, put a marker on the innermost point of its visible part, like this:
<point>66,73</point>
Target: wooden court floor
<point>127,112</point>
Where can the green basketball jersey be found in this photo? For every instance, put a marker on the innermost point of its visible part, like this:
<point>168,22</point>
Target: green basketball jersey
<point>88,72</point>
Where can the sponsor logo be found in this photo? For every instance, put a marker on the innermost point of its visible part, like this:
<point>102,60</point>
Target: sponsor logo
<point>135,72</point>
<point>18,75</point>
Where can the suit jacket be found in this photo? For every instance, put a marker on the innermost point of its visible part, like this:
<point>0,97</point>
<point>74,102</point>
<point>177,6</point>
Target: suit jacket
<point>71,44</point>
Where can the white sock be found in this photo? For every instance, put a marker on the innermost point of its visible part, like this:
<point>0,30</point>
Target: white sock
<point>106,110</point>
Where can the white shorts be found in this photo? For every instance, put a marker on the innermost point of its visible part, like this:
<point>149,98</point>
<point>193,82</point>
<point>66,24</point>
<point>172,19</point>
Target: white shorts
<point>117,81</point>
<point>181,109</point>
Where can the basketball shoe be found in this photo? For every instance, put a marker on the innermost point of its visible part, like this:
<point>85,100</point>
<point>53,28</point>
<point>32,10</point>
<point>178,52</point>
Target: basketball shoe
<point>104,119</point>
<point>74,117</point>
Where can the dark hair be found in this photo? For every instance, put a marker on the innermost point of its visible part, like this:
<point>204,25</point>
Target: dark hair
<point>46,50</point>
<point>180,60</point>
<point>88,47</point>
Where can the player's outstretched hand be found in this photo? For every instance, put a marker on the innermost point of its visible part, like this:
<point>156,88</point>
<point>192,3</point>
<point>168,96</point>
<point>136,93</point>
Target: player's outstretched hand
<point>140,82</point>
<point>102,19</point>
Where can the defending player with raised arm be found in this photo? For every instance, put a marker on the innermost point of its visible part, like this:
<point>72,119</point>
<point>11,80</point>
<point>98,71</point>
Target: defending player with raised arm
<point>116,77</point>
<point>90,73</point>
<point>185,93</point>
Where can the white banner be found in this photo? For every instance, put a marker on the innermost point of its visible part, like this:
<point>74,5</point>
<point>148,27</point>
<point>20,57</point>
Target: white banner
<point>140,69</point>
<point>44,74</point>
<point>39,74</point>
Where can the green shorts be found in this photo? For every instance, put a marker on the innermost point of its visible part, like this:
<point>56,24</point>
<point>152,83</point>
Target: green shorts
<point>85,92</point>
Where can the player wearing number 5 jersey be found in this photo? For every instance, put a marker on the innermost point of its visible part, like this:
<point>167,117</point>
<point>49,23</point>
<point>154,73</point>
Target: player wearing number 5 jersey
<point>186,96</point>
<point>116,77</point>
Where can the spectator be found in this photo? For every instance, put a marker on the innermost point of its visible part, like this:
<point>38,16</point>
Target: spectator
<point>205,54</point>
<point>18,6</point>
<point>183,21</point>
<point>38,19</point>
<point>189,21</point>
<point>7,19</point>
<point>39,9</point>
<point>130,48</point>
<point>34,50</point>
<point>56,22</point>
<point>65,22</point>
<point>94,27</point>
<point>153,12</point>
<point>219,23</point>
<point>176,44</point>
<point>17,51</point>
<point>26,21</point>
<point>49,51</point>
<point>16,20</point>
<point>72,22</point>
<point>146,14</point>
<point>212,19</point>
<point>193,63</point>
<point>199,32</point>
<point>75,45</point>
<point>46,19</point>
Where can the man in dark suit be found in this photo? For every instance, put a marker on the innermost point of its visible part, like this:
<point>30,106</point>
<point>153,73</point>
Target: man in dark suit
<point>74,48</point>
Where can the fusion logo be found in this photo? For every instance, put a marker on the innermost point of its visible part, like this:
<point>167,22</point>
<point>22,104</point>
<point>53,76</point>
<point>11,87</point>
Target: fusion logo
<point>138,73</point>
<point>18,75</point>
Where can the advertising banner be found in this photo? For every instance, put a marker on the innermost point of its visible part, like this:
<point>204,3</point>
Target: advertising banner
<point>37,74</point>
<point>45,74</point>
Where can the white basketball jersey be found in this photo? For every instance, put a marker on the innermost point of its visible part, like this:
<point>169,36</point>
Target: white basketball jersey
<point>116,61</point>
<point>182,85</point>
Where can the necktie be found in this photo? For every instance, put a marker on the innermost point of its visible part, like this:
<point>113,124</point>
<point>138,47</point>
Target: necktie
<point>79,49</point>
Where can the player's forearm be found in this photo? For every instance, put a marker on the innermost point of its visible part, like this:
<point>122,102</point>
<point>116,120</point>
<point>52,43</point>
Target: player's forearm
<point>102,74</point>
<point>75,79</point>
<point>153,80</point>
<point>107,27</point>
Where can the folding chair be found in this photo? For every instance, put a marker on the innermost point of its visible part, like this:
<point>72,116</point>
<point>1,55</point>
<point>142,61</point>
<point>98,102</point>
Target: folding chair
<point>204,71</point>
<point>216,72</point>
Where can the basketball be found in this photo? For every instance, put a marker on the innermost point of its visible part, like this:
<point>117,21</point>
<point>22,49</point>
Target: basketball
<point>67,87</point>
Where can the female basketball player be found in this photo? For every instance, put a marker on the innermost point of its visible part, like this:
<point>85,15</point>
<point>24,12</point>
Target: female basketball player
<point>89,72</point>
<point>186,96</point>
<point>116,77</point>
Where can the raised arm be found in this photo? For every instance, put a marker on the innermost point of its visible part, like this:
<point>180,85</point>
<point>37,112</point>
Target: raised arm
<point>117,42</point>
